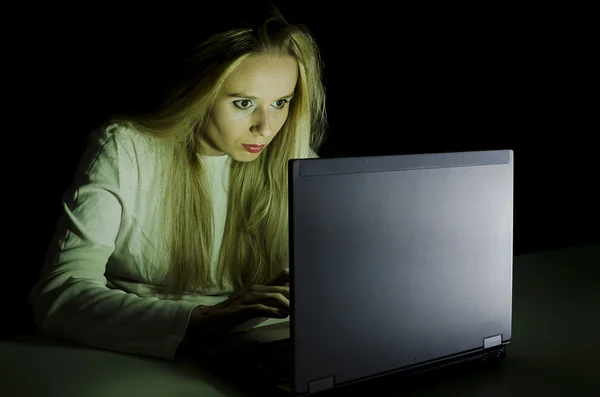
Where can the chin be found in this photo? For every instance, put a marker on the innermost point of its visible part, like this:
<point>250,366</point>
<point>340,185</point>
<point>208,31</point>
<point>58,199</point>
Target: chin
<point>246,158</point>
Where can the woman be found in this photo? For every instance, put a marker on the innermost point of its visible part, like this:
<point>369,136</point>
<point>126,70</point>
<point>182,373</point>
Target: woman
<point>176,223</point>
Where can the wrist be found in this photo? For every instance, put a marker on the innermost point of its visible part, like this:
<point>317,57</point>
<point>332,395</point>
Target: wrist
<point>209,321</point>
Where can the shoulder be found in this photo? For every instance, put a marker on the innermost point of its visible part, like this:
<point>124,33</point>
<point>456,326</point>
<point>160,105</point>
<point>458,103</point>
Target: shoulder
<point>122,137</point>
<point>122,140</point>
<point>115,149</point>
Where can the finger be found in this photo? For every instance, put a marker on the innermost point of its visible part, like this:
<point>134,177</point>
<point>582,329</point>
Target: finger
<point>276,300</point>
<point>260,310</point>
<point>271,289</point>
<point>282,278</point>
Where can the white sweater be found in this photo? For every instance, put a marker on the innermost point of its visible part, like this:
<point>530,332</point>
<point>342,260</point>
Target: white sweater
<point>94,285</point>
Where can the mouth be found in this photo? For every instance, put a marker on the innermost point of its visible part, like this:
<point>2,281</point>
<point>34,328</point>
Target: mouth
<point>253,148</point>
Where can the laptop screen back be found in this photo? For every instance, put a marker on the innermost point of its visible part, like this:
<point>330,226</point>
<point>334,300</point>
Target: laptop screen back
<point>397,260</point>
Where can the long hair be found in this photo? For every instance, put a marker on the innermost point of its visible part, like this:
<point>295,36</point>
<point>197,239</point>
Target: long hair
<point>255,240</point>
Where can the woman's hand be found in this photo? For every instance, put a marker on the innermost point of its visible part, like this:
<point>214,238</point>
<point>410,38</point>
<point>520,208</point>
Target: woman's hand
<point>245,310</point>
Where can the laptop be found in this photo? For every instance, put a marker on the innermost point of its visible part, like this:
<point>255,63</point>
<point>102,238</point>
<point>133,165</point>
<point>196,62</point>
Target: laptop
<point>399,264</point>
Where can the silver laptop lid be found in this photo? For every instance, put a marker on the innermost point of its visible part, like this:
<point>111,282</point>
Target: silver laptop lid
<point>398,260</point>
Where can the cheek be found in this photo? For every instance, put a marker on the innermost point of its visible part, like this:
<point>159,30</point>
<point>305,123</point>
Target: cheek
<point>228,124</point>
<point>279,120</point>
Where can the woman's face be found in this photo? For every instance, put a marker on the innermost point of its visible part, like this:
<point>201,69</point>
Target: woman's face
<point>252,107</point>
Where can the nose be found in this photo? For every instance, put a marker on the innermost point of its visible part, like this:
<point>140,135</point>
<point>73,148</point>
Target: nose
<point>260,123</point>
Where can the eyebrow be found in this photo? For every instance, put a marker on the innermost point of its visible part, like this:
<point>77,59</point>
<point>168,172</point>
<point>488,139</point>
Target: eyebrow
<point>240,95</point>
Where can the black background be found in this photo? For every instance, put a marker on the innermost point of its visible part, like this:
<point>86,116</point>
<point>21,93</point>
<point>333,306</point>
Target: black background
<point>399,81</point>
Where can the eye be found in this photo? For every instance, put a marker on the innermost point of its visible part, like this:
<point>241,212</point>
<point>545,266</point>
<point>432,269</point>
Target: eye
<point>281,103</point>
<point>243,104</point>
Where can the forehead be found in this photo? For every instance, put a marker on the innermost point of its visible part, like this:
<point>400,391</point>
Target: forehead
<point>263,76</point>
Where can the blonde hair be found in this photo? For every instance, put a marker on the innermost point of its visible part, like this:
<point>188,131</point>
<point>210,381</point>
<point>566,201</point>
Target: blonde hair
<point>255,240</point>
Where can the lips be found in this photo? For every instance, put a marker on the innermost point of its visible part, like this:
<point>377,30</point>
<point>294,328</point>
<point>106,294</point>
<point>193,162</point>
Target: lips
<point>253,148</point>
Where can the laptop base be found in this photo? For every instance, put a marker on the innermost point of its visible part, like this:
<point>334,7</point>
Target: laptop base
<point>267,369</point>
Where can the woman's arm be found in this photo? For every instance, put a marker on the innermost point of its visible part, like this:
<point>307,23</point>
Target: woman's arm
<point>71,299</point>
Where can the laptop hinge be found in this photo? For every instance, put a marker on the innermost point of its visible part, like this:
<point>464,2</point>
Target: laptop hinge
<point>322,384</point>
<point>492,341</point>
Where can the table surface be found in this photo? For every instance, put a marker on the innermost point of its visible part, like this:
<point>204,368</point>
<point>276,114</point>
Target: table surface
<point>555,350</point>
